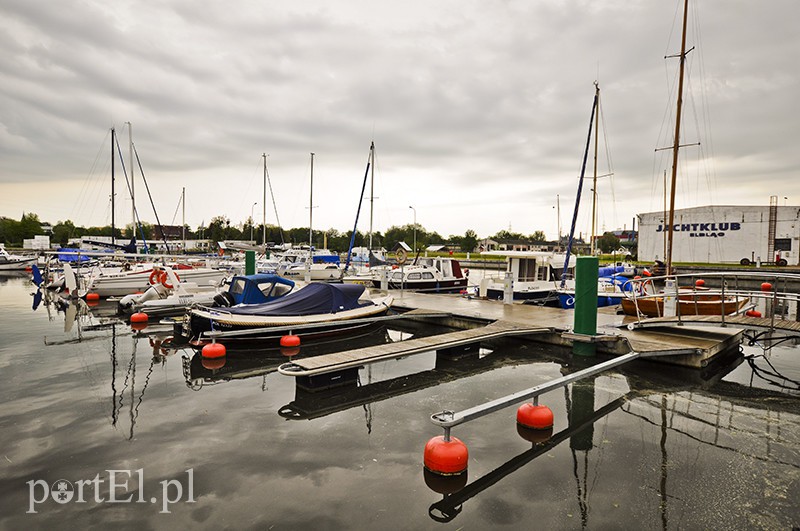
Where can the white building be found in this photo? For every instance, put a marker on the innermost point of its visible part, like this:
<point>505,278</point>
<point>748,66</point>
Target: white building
<point>724,234</point>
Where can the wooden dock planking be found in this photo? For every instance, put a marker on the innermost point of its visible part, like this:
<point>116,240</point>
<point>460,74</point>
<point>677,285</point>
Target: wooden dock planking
<point>355,358</point>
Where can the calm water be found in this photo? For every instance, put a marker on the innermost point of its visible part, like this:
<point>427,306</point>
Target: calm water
<point>239,446</point>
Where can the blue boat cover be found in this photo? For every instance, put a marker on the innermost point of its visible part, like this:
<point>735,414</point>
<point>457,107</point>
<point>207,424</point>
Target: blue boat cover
<point>316,298</point>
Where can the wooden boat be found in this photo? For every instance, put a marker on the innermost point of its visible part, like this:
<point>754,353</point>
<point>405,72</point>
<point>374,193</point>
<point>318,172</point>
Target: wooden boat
<point>690,302</point>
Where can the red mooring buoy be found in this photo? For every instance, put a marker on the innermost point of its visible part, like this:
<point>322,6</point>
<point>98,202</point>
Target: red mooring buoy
<point>699,282</point>
<point>444,484</point>
<point>290,351</point>
<point>212,364</point>
<point>213,350</point>
<point>534,436</point>
<point>535,417</point>
<point>139,317</point>
<point>446,458</point>
<point>290,341</point>
<point>752,313</point>
<point>766,286</point>
<point>92,296</point>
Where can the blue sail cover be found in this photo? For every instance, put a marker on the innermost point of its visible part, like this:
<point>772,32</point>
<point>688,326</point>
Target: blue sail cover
<point>314,299</point>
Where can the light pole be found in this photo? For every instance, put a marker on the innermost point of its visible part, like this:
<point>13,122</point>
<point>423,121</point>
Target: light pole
<point>251,220</point>
<point>415,228</point>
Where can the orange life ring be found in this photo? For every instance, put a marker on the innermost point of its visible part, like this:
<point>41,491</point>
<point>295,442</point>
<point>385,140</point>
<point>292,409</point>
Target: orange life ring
<point>155,276</point>
<point>165,280</point>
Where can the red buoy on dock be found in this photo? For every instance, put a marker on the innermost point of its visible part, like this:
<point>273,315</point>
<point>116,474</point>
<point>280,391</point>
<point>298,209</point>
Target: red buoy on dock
<point>213,350</point>
<point>290,341</point>
<point>699,282</point>
<point>535,417</point>
<point>766,286</point>
<point>446,458</point>
<point>752,313</point>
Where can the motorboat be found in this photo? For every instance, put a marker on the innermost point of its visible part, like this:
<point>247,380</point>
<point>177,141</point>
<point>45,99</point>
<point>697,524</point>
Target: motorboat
<point>242,289</point>
<point>317,265</point>
<point>121,281</point>
<point>438,274</point>
<point>535,276</point>
<point>317,307</point>
<point>13,262</point>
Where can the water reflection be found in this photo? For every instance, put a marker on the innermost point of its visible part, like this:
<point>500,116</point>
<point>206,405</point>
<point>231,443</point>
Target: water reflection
<point>309,404</point>
<point>655,397</point>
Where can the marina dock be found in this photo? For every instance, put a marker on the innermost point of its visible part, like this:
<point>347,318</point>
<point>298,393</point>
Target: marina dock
<point>477,320</point>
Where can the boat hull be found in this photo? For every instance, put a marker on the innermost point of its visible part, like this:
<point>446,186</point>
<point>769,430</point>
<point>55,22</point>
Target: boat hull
<point>434,286</point>
<point>202,320</point>
<point>702,305</point>
<point>17,265</point>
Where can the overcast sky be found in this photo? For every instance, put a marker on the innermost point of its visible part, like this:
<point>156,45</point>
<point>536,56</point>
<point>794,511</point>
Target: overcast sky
<point>479,110</point>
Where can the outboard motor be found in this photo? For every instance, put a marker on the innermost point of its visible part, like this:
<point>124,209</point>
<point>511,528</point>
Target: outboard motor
<point>127,303</point>
<point>224,299</point>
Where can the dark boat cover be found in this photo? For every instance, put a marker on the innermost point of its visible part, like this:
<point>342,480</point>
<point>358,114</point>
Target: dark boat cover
<point>316,298</point>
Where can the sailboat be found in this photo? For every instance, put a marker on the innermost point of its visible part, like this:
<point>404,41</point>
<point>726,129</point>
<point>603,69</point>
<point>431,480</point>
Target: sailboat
<point>609,290</point>
<point>312,264</point>
<point>692,301</point>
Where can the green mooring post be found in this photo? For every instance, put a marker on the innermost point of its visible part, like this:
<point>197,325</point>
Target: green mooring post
<point>249,262</point>
<point>586,270</point>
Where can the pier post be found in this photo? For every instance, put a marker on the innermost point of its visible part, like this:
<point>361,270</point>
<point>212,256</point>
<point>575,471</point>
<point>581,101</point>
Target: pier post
<point>249,262</point>
<point>508,288</point>
<point>586,272</point>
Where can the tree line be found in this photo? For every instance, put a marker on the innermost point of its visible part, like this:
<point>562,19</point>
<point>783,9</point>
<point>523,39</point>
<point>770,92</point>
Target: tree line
<point>13,232</point>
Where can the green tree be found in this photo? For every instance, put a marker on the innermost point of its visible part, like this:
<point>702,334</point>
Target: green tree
<point>508,235</point>
<point>608,242</point>
<point>538,236</point>
<point>470,241</point>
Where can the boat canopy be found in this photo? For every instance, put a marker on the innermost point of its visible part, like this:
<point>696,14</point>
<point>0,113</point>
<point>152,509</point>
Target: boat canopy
<point>316,298</point>
<point>258,288</point>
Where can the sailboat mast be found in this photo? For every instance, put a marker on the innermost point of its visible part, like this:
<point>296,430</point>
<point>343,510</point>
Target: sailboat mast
<point>264,216</point>
<point>371,190</point>
<point>183,217</point>
<point>133,195</point>
<point>594,181</point>
<point>113,229</point>
<point>676,142</point>
<point>311,208</point>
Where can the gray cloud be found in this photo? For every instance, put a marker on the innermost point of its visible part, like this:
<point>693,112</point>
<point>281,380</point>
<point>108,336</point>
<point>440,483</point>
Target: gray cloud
<point>479,111</point>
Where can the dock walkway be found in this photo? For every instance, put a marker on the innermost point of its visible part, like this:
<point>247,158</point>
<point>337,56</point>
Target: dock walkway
<point>349,359</point>
<point>483,320</point>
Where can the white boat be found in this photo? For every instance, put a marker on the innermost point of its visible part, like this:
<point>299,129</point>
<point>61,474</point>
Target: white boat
<point>535,276</point>
<point>120,283</point>
<point>425,274</point>
<point>13,262</point>
<point>161,300</point>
